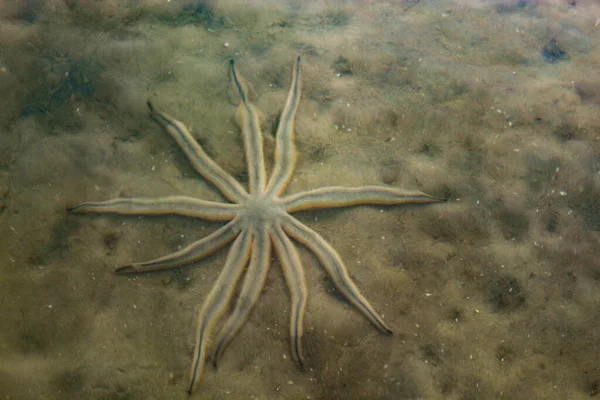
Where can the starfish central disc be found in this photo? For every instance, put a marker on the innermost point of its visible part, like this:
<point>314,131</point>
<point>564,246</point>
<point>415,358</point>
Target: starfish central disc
<point>259,210</point>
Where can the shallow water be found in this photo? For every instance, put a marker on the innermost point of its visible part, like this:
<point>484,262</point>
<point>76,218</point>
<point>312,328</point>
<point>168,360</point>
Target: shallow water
<point>493,105</point>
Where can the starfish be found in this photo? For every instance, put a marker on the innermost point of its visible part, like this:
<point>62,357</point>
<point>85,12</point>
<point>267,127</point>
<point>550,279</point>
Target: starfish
<point>259,220</point>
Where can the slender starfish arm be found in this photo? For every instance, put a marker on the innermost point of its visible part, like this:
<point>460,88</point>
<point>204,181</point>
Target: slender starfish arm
<point>254,282</point>
<point>333,264</point>
<point>285,150</point>
<point>217,301</point>
<point>341,196</point>
<point>296,282</point>
<point>205,165</point>
<point>171,205</point>
<point>192,253</point>
<point>253,138</point>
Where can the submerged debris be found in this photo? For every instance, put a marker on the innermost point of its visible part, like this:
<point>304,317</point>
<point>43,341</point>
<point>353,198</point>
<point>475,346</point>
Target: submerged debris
<point>553,53</point>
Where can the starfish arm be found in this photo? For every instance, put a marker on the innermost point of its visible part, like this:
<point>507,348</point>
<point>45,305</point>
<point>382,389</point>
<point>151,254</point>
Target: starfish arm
<point>192,253</point>
<point>341,196</point>
<point>171,205</point>
<point>253,139</point>
<point>285,150</point>
<point>217,301</point>
<point>296,282</point>
<point>205,165</point>
<point>253,284</point>
<point>334,266</point>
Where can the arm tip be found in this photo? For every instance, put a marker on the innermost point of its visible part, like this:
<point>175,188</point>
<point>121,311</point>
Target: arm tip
<point>126,269</point>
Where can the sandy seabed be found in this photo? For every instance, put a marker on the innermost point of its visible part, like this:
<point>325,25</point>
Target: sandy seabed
<point>492,105</point>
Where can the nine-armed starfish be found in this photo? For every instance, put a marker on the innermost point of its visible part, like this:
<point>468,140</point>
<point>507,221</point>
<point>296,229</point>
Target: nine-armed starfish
<point>259,219</point>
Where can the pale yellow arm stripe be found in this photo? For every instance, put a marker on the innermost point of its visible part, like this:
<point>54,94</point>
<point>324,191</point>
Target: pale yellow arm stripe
<point>296,282</point>
<point>341,196</point>
<point>254,281</point>
<point>216,303</point>
<point>170,205</point>
<point>285,150</point>
<point>205,165</point>
<point>335,268</point>
<point>253,139</point>
<point>194,252</point>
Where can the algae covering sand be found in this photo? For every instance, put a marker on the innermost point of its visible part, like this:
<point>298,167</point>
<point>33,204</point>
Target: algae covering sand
<point>493,105</point>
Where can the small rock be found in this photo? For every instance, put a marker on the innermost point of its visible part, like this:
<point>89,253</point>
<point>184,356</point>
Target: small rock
<point>389,175</point>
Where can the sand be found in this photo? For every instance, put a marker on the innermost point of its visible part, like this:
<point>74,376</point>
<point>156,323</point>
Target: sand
<point>492,105</point>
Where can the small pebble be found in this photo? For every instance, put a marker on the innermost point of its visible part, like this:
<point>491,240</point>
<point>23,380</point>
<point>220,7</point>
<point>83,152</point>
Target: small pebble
<point>389,175</point>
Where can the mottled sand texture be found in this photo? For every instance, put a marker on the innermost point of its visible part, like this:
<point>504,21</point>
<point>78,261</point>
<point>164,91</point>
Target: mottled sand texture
<point>493,105</point>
